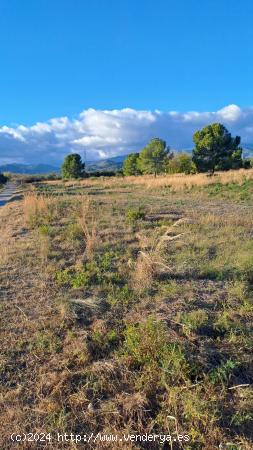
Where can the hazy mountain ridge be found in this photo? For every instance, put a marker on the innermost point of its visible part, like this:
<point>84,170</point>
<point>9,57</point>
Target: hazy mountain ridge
<point>113,163</point>
<point>28,168</point>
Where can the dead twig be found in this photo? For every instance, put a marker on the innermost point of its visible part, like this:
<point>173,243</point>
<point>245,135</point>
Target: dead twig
<point>239,386</point>
<point>16,306</point>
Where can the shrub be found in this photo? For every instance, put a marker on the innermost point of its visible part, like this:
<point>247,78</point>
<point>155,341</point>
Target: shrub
<point>79,278</point>
<point>121,296</point>
<point>135,214</point>
<point>226,322</point>
<point>107,261</point>
<point>45,230</point>
<point>223,372</point>
<point>147,346</point>
<point>101,344</point>
<point>180,163</point>
<point>193,320</point>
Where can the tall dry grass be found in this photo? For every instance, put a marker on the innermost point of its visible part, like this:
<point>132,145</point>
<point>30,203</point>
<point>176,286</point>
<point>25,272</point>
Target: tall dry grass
<point>178,182</point>
<point>4,252</point>
<point>231,219</point>
<point>35,207</point>
<point>88,222</point>
<point>150,260</point>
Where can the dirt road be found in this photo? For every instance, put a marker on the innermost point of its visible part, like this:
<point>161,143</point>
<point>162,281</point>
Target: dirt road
<point>7,193</point>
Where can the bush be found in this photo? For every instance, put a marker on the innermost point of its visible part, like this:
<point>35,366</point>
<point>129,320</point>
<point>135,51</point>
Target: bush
<point>78,278</point>
<point>107,260</point>
<point>181,163</point>
<point>102,344</point>
<point>135,214</point>
<point>101,173</point>
<point>147,346</point>
<point>223,372</point>
<point>247,163</point>
<point>3,178</point>
<point>121,296</point>
<point>193,320</point>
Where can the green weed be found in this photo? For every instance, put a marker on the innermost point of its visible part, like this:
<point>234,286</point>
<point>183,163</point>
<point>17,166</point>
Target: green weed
<point>135,214</point>
<point>223,372</point>
<point>193,320</point>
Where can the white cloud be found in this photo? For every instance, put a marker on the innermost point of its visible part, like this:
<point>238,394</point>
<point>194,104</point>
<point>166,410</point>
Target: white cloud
<point>230,113</point>
<point>114,132</point>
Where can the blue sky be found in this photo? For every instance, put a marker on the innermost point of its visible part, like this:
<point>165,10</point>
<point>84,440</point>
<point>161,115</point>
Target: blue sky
<point>62,57</point>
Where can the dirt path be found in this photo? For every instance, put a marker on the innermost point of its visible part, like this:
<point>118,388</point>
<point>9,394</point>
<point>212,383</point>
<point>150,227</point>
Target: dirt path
<point>8,193</point>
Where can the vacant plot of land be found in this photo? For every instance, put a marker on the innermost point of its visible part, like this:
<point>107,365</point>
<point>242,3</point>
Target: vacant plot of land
<point>126,308</point>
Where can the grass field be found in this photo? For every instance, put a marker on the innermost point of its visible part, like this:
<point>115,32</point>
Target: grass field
<point>126,308</point>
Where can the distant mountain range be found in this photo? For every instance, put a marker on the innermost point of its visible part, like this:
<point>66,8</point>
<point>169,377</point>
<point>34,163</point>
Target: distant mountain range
<point>114,163</point>
<point>28,168</point>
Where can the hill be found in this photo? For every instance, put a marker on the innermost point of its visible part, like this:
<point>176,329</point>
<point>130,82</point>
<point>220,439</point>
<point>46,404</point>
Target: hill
<point>114,163</point>
<point>28,169</point>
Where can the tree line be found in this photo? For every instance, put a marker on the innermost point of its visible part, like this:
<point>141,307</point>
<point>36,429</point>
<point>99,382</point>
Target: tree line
<point>215,149</point>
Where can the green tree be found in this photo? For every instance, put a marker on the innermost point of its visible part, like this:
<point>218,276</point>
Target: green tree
<point>216,149</point>
<point>130,165</point>
<point>185,163</point>
<point>73,167</point>
<point>153,157</point>
<point>180,163</point>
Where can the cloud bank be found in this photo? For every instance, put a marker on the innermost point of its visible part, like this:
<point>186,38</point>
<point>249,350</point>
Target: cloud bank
<point>107,133</point>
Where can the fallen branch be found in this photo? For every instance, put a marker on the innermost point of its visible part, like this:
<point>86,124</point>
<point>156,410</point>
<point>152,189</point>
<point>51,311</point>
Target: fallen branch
<point>239,386</point>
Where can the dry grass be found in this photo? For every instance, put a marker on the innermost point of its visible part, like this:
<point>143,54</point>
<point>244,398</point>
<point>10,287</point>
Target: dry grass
<point>94,350</point>
<point>229,219</point>
<point>36,206</point>
<point>178,182</point>
<point>4,252</point>
<point>150,261</point>
<point>89,224</point>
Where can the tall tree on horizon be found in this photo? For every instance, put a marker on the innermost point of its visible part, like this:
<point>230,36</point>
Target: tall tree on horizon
<point>73,167</point>
<point>153,156</point>
<point>216,149</point>
<point>130,164</point>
